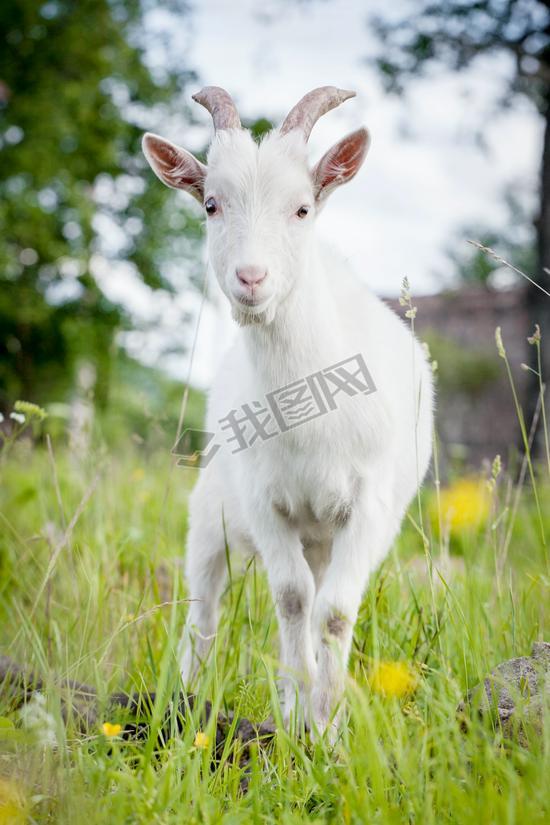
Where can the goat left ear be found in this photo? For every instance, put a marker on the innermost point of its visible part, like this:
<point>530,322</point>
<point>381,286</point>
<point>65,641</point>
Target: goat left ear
<point>340,164</point>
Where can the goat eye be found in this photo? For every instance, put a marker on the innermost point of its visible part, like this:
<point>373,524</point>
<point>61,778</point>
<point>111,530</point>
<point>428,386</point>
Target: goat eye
<point>302,212</point>
<point>211,206</point>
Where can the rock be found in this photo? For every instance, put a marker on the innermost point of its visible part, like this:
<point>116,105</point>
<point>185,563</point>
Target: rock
<point>514,694</point>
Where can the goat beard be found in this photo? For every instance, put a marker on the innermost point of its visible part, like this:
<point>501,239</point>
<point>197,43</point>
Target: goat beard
<point>245,318</point>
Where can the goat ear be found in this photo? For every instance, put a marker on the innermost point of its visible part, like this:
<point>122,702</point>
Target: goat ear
<point>175,167</point>
<point>340,164</point>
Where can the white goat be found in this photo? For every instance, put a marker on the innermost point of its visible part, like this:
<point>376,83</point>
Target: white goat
<point>322,502</point>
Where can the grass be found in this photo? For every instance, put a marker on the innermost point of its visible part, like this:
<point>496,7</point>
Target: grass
<point>111,610</point>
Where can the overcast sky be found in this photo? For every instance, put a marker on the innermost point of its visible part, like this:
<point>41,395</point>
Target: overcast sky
<point>425,176</point>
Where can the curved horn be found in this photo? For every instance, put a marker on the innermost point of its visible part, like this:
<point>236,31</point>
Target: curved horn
<point>220,105</point>
<point>312,106</point>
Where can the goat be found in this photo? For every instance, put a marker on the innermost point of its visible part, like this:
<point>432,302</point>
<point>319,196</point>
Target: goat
<point>322,502</point>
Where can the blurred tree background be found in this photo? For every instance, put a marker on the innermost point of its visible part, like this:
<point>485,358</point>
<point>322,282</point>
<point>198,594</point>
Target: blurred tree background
<point>76,93</point>
<point>515,242</point>
<point>454,33</point>
<point>79,208</point>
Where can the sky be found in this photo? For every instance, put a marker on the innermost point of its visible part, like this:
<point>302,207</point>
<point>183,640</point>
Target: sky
<point>426,175</point>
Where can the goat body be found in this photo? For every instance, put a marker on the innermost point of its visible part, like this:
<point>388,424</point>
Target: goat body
<point>321,502</point>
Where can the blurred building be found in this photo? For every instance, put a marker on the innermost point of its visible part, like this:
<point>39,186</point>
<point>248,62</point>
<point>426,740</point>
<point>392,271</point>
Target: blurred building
<point>476,415</point>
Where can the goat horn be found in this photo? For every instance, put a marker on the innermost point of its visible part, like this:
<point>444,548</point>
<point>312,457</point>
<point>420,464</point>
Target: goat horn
<point>220,105</point>
<point>312,106</point>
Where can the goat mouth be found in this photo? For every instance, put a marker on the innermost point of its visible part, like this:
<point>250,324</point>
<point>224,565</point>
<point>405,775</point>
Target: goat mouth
<point>252,302</point>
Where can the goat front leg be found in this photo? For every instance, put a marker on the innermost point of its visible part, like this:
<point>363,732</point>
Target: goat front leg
<point>292,587</point>
<point>205,567</point>
<point>358,548</point>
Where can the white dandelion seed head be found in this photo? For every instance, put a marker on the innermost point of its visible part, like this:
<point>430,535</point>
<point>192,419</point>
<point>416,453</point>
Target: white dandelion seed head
<point>36,720</point>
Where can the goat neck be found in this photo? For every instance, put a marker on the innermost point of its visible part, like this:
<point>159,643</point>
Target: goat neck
<point>304,334</point>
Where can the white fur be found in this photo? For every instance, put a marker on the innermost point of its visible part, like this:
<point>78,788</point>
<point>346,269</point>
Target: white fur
<point>281,497</point>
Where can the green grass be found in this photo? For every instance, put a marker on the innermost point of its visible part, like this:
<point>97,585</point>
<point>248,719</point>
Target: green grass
<point>111,611</point>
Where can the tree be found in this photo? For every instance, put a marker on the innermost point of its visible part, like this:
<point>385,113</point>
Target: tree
<point>76,93</point>
<point>456,33</point>
<point>515,242</point>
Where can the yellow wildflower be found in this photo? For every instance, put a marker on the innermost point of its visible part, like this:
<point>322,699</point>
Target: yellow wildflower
<point>111,730</point>
<point>13,807</point>
<point>202,740</point>
<point>464,505</point>
<point>393,679</point>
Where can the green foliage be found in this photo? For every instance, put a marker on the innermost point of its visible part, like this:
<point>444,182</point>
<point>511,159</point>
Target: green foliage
<point>144,410</point>
<point>75,91</point>
<point>455,32</point>
<point>516,243</point>
<point>464,370</point>
<point>145,407</point>
<point>259,127</point>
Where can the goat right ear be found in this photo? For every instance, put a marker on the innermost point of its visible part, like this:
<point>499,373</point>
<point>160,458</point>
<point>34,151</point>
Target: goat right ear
<point>175,167</point>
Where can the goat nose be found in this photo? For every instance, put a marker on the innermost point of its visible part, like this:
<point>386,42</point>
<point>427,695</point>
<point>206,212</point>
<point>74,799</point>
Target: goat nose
<point>251,275</point>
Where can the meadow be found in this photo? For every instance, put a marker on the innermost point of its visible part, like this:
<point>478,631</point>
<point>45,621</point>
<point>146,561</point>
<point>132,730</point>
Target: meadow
<point>92,589</point>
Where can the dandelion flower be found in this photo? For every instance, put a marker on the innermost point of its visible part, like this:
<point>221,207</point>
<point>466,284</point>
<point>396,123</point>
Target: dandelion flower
<point>396,679</point>
<point>202,740</point>
<point>13,807</point>
<point>464,505</point>
<point>36,719</point>
<point>111,730</point>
